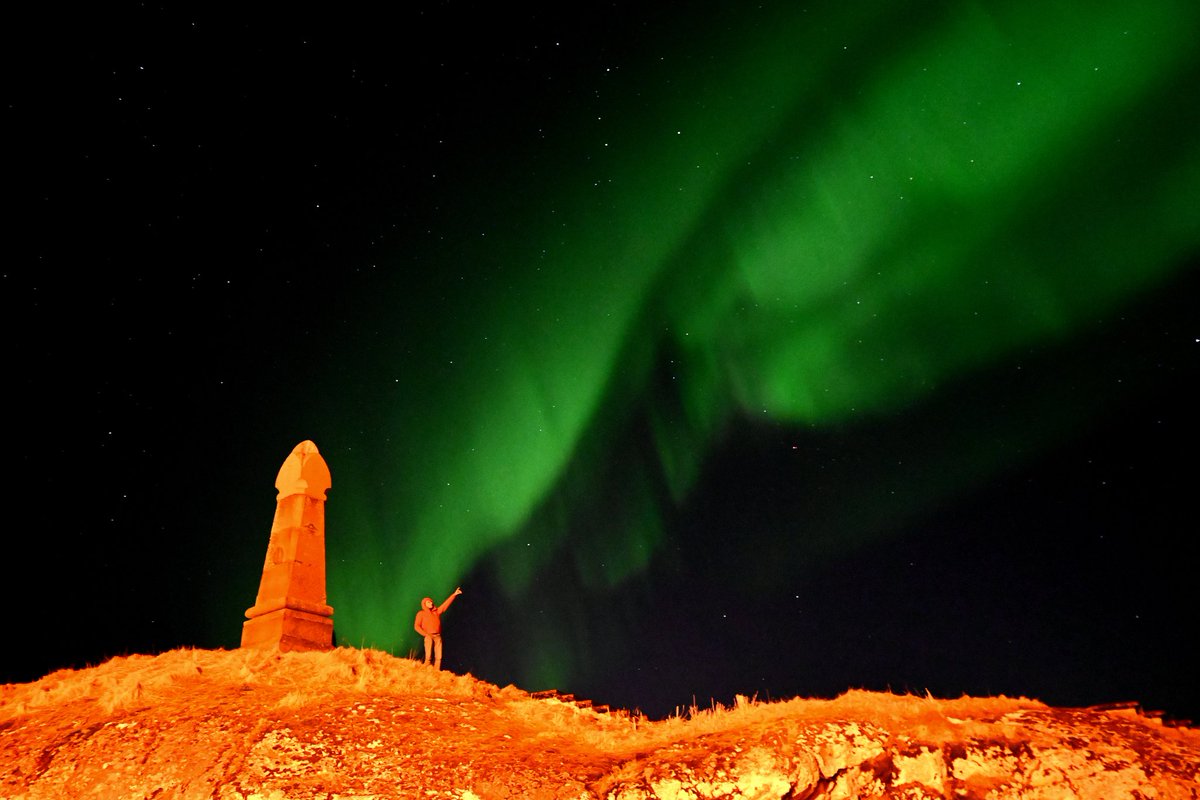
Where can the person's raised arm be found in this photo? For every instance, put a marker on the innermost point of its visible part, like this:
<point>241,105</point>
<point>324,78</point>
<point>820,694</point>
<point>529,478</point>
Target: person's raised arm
<point>449,600</point>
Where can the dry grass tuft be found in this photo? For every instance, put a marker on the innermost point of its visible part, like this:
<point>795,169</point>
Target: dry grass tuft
<point>299,679</point>
<point>932,719</point>
<point>364,716</point>
<point>129,682</point>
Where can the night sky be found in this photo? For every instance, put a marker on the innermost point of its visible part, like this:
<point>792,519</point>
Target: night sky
<point>769,349</point>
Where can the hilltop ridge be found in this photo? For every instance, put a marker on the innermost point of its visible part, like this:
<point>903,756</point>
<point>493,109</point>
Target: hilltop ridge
<point>353,723</point>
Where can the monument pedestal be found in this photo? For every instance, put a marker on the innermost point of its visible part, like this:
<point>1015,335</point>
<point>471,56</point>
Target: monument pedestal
<point>289,629</point>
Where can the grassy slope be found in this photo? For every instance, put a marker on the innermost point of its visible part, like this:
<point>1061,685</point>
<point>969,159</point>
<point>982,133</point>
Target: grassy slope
<point>227,723</point>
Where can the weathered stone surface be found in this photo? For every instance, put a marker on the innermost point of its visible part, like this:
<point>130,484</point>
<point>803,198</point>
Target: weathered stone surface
<point>350,723</point>
<point>290,612</point>
<point>1031,753</point>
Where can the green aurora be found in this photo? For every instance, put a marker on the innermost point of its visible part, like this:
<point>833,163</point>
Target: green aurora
<point>813,220</point>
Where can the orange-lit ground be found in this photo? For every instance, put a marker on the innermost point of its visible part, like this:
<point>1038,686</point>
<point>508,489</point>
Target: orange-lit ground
<point>353,723</point>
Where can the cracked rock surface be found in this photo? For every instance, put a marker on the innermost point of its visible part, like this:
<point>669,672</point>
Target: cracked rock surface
<point>363,724</point>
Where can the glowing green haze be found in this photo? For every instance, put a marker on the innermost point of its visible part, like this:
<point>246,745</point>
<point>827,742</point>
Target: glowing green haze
<point>816,218</point>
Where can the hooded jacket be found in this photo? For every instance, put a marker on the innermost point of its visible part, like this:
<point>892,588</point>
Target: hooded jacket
<point>429,620</point>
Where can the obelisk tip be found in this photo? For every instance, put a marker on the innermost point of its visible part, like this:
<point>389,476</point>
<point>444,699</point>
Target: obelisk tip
<point>304,472</point>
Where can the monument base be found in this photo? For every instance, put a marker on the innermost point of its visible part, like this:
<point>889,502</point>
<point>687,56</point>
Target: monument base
<point>288,629</point>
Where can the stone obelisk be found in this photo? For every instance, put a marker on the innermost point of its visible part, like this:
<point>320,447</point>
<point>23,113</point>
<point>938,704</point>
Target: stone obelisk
<point>290,612</point>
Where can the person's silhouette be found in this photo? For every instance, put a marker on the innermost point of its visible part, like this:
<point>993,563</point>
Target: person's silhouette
<point>429,624</point>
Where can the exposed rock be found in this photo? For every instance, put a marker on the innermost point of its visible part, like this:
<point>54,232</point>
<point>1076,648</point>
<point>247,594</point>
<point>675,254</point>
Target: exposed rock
<point>362,724</point>
<point>1027,753</point>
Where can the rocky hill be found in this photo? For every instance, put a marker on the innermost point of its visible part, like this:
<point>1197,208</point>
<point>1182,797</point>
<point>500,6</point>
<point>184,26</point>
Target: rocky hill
<point>351,723</point>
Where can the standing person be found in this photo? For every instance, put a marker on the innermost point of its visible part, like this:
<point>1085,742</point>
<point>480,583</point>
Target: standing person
<point>429,624</point>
